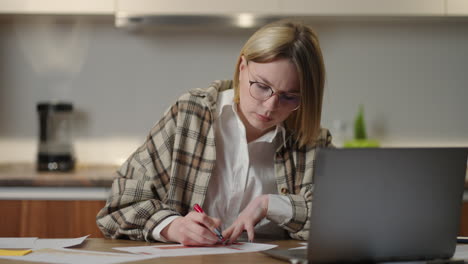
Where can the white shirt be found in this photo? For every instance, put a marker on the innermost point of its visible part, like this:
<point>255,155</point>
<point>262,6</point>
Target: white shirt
<point>243,171</point>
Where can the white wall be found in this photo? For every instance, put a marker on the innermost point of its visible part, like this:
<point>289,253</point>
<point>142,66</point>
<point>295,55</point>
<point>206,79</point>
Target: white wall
<point>410,75</point>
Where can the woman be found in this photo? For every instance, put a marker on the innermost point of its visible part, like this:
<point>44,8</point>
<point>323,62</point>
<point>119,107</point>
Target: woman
<point>242,149</point>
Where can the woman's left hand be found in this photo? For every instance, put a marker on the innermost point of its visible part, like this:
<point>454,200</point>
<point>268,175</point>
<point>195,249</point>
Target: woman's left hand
<point>255,211</point>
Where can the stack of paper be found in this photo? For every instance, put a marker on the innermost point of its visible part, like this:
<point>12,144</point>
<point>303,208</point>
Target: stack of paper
<point>37,243</point>
<point>181,250</point>
<point>53,251</point>
<point>73,256</point>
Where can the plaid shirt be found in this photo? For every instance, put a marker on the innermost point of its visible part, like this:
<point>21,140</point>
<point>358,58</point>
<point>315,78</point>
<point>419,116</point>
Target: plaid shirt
<point>170,172</point>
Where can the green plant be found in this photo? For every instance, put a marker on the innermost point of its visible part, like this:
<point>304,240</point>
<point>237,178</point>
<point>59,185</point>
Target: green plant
<point>360,136</point>
<point>360,125</point>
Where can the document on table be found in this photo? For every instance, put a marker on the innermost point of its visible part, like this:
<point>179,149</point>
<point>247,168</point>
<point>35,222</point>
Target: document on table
<point>36,243</point>
<point>73,256</point>
<point>17,242</point>
<point>58,242</point>
<point>461,252</point>
<point>304,246</point>
<point>176,250</point>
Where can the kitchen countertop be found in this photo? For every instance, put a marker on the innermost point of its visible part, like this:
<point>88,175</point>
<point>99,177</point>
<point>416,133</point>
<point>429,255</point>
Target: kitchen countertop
<point>21,181</point>
<point>25,175</point>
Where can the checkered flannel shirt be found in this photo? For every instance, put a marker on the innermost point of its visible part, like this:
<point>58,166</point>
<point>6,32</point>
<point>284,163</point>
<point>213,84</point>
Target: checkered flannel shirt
<point>170,172</point>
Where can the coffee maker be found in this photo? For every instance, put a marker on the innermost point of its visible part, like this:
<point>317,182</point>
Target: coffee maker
<point>55,150</point>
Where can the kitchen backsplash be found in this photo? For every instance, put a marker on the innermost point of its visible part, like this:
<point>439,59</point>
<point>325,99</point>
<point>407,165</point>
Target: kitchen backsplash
<point>410,75</point>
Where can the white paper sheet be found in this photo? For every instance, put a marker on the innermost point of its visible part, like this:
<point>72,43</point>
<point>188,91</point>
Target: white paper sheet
<point>181,250</point>
<point>461,252</point>
<point>301,247</point>
<point>58,242</point>
<point>37,243</point>
<point>17,242</point>
<point>73,256</point>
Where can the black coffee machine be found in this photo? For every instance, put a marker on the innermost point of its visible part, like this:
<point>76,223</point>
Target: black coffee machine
<point>55,152</point>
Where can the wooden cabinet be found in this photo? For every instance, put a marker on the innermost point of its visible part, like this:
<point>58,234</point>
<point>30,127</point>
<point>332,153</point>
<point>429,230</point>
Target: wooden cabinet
<point>464,220</point>
<point>67,219</point>
<point>49,219</point>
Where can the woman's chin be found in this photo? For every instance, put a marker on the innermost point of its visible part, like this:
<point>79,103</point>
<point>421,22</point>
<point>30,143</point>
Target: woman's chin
<point>261,126</point>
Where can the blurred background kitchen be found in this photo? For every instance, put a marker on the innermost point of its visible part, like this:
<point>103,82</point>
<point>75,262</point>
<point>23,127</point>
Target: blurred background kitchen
<point>122,63</point>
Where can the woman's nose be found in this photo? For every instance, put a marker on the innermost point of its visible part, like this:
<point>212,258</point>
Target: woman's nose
<point>272,102</point>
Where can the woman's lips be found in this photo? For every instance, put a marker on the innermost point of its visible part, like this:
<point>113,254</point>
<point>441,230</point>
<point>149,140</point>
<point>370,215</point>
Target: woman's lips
<point>263,118</point>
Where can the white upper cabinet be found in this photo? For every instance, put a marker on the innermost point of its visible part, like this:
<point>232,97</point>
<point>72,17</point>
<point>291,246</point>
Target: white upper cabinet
<point>58,7</point>
<point>405,8</point>
<point>364,7</point>
<point>196,7</point>
<point>284,7</point>
<point>457,7</point>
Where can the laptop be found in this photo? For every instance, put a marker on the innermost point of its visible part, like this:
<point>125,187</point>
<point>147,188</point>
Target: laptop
<point>383,205</point>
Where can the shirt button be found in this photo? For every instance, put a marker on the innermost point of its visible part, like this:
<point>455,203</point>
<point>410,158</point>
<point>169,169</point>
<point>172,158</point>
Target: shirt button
<point>284,190</point>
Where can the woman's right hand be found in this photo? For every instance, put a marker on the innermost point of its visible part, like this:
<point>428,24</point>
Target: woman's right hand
<point>194,229</point>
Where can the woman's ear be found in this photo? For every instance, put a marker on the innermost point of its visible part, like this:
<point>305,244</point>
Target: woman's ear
<point>242,64</point>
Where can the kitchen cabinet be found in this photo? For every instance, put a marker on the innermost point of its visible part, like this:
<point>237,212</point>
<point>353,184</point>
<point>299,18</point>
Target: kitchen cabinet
<point>405,8</point>
<point>464,220</point>
<point>49,218</point>
<point>67,219</point>
<point>57,7</point>
<point>364,7</point>
<point>457,7</point>
<point>200,7</point>
<point>52,204</point>
<point>283,7</point>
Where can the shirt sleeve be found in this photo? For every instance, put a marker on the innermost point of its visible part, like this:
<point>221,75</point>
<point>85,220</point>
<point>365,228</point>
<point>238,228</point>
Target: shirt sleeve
<point>135,206</point>
<point>157,230</point>
<point>279,209</point>
<point>301,201</point>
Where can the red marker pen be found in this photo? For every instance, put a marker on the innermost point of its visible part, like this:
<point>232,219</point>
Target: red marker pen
<point>197,208</point>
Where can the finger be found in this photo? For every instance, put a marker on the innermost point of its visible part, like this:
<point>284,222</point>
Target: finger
<point>192,230</point>
<point>250,232</point>
<point>237,232</point>
<point>187,241</point>
<point>216,222</point>
<point>227,233</point>
<point>203,219</point>
<point>193,239</point>
<point>201,233</point>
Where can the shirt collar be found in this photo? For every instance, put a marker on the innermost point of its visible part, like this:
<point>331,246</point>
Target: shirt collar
<point>225,99</point>
<point>271,135</point>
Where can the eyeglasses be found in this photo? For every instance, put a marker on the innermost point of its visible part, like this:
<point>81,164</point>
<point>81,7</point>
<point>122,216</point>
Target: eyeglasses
<point>263,92</point>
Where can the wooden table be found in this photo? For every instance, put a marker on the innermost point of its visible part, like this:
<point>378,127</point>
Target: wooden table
<point>102,244</point>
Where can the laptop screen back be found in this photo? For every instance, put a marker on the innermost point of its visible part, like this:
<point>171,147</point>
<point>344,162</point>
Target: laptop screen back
<point>386,204</point>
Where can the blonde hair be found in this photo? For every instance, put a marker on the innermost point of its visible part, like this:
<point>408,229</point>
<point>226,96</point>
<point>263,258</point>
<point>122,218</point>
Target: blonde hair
<point>298,43</point>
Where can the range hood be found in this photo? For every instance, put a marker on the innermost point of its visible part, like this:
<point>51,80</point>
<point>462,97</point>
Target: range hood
<point>199,13</point>
<point>242,20</point>
<point>250,14</point>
